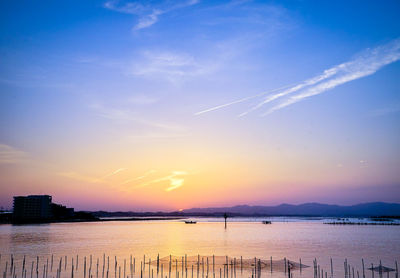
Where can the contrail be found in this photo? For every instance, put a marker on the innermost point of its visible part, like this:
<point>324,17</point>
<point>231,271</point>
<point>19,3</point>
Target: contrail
<point>241,100</point>
<point>326,74</point>
<point>114,173</point>
<point>367,64</point>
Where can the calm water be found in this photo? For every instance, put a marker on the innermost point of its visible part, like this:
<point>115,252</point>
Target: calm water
<point>293,240</point>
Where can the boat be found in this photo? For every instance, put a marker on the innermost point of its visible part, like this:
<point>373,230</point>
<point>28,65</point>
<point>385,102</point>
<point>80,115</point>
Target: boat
<point>190,222</point>
<point>267,222</point>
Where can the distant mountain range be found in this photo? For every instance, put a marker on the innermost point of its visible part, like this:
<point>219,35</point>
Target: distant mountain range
<point>308,209</point>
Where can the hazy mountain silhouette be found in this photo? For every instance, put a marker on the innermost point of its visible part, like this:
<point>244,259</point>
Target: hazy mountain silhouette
<point>308,209</point>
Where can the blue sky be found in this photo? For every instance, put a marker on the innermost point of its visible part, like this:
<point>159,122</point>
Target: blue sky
<point>90,87</point>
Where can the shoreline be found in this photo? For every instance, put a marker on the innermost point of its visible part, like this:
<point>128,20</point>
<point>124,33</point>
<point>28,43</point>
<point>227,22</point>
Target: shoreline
<point>94,220</point>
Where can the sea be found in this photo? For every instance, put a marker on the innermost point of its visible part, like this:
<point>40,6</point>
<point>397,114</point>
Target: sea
<point>51,250</point>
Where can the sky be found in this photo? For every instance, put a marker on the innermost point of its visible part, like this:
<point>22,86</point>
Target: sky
<point>167,105</point>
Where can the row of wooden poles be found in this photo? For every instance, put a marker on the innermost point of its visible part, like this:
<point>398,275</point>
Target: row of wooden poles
<point>349,271</point>
<point>228,271</point>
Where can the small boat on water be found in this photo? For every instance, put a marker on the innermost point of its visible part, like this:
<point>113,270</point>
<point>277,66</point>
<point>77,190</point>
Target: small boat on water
<point>190,222</point>
<point>267,222</point>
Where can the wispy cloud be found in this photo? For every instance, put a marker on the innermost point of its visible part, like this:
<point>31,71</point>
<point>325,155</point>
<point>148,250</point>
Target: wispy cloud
<point>125,115</point>
<point>148,14</point>
<point>391,109</point>
<point>176,179</point>
<point>148,20</point>
<point>172,66</point>
<point>90,179</point>
<point>80,177</point>
<point>364,164</point>
<point>142,99</point>
<point>11,155</point>
<point>145,175</point>
<point>176,66</point>
<point>113,173</point>
<point>160,135</point>
<point>145,129</point>
<point>175,183</point>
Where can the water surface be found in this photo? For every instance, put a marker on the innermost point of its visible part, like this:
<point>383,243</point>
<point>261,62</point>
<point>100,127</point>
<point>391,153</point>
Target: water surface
<point>291,239</point>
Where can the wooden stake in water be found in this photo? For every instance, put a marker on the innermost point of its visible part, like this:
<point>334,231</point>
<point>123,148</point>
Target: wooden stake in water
<point>131,266</point>
<point>23,266</point>
<point>271,264</point>
<point>213,264</point>
<point>31,269</point>
<point>372,270</point>
<point>202,267</point>
<point>363,268</point>
<point>12,263</point>
<point>169,267</point>
<point>37,265</point>
<point>284,259</point>
<point>90,267</point>
<point>108,266</point>
<point>115,267</point>
<point>300,264</point>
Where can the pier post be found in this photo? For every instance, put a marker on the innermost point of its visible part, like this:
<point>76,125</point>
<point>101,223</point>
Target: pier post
<point>225,217</point>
